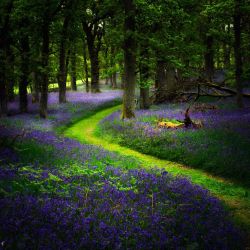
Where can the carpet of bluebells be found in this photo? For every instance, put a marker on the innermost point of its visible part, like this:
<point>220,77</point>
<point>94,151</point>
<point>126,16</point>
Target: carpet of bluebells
<point>221,146</point>
<point>56,193</point>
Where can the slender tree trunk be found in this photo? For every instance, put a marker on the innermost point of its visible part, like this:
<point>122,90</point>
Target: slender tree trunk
<point>160,82</point>
<point>44,75</point>
<point>129,60</point>
<point>23,84</point>
<point>114,80</point>
<point>237,51</point>
<point>106,59</point>
<point>67,65</point>
<point>106,81</point>
<point>112,65</point>
<point>209,57</point>
<point>73,69</point>
<point>227,48</point>
<point>144,77</point>
<point>121,66</point>
<point>226,55</point>
<point>3,94</point>
<point>4,43</point>
<point>11,94</point>
<point>35,88</point>
<point>11,79</point>
<point>86,70</point>
<point>62,62</point>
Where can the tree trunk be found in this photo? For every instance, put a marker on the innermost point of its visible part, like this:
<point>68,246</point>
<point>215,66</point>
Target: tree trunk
<point>4,41</point>
<point>86,70</point>
<point>209,57</point>
<point>44,77</point>
<point>73,69</point>
<point>62,62</point>
<point>35,86</point>
<point>144,98</point>
<point>112,65</point>
<point>237,52</point>
<point>10,60</point>
<point>11,94</point>
<point>23,84</point>
<point>144,77</point>
<point>129,60</point>
<point>3,94</point>
<point>114,81</point>
<point>94,61</point>
<point>226,55</point>
<point>67,65</point>
<point>160,82</point>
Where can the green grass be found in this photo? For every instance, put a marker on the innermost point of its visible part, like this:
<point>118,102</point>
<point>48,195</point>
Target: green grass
<point>87,114</point>
<point>216,151</point>
<point>235,196</point>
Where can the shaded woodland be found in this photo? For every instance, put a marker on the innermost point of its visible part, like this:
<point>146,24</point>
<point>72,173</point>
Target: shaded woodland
<point>170,50</point>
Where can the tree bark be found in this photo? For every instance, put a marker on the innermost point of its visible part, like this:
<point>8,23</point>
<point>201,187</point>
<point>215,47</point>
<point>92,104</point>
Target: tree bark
<point>44,74</point>
<point>112,65</point>
<point>11,72</point>
<point>4,41</point>
<point>144,77</point>
<point>62,62</point>
<point>73,69</point>
<point>35,86</point>
<point>160,82</point>
<point>23,84</point>
<point>86,70</point>
<point>67,64</point>
<point>94,37</point>
<point>129,60</point>
<point>237,51</point>
<point>94,60</point>
<point>209,57</point>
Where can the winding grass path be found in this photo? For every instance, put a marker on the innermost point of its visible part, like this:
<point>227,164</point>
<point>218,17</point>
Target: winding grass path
<point>236,197</point>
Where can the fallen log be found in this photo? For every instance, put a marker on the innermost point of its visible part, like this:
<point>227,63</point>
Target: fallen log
<point>221,88</point>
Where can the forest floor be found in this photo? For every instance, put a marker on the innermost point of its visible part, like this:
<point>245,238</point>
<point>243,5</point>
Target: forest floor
<point>234,195</point>
<point>90,192</point>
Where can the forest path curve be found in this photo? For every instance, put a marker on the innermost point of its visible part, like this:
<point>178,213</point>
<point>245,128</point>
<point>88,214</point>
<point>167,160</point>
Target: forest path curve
<point>235,196</point>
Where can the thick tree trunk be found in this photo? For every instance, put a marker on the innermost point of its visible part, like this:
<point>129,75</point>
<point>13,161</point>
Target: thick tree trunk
<point>73,69</point>
<point>237,52</point>
<point>44,77</point>
<point>23,84</point>
<point>129,60</point>
<point>94,61</point>
<point>209,57</point>
<point>86,70</point>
